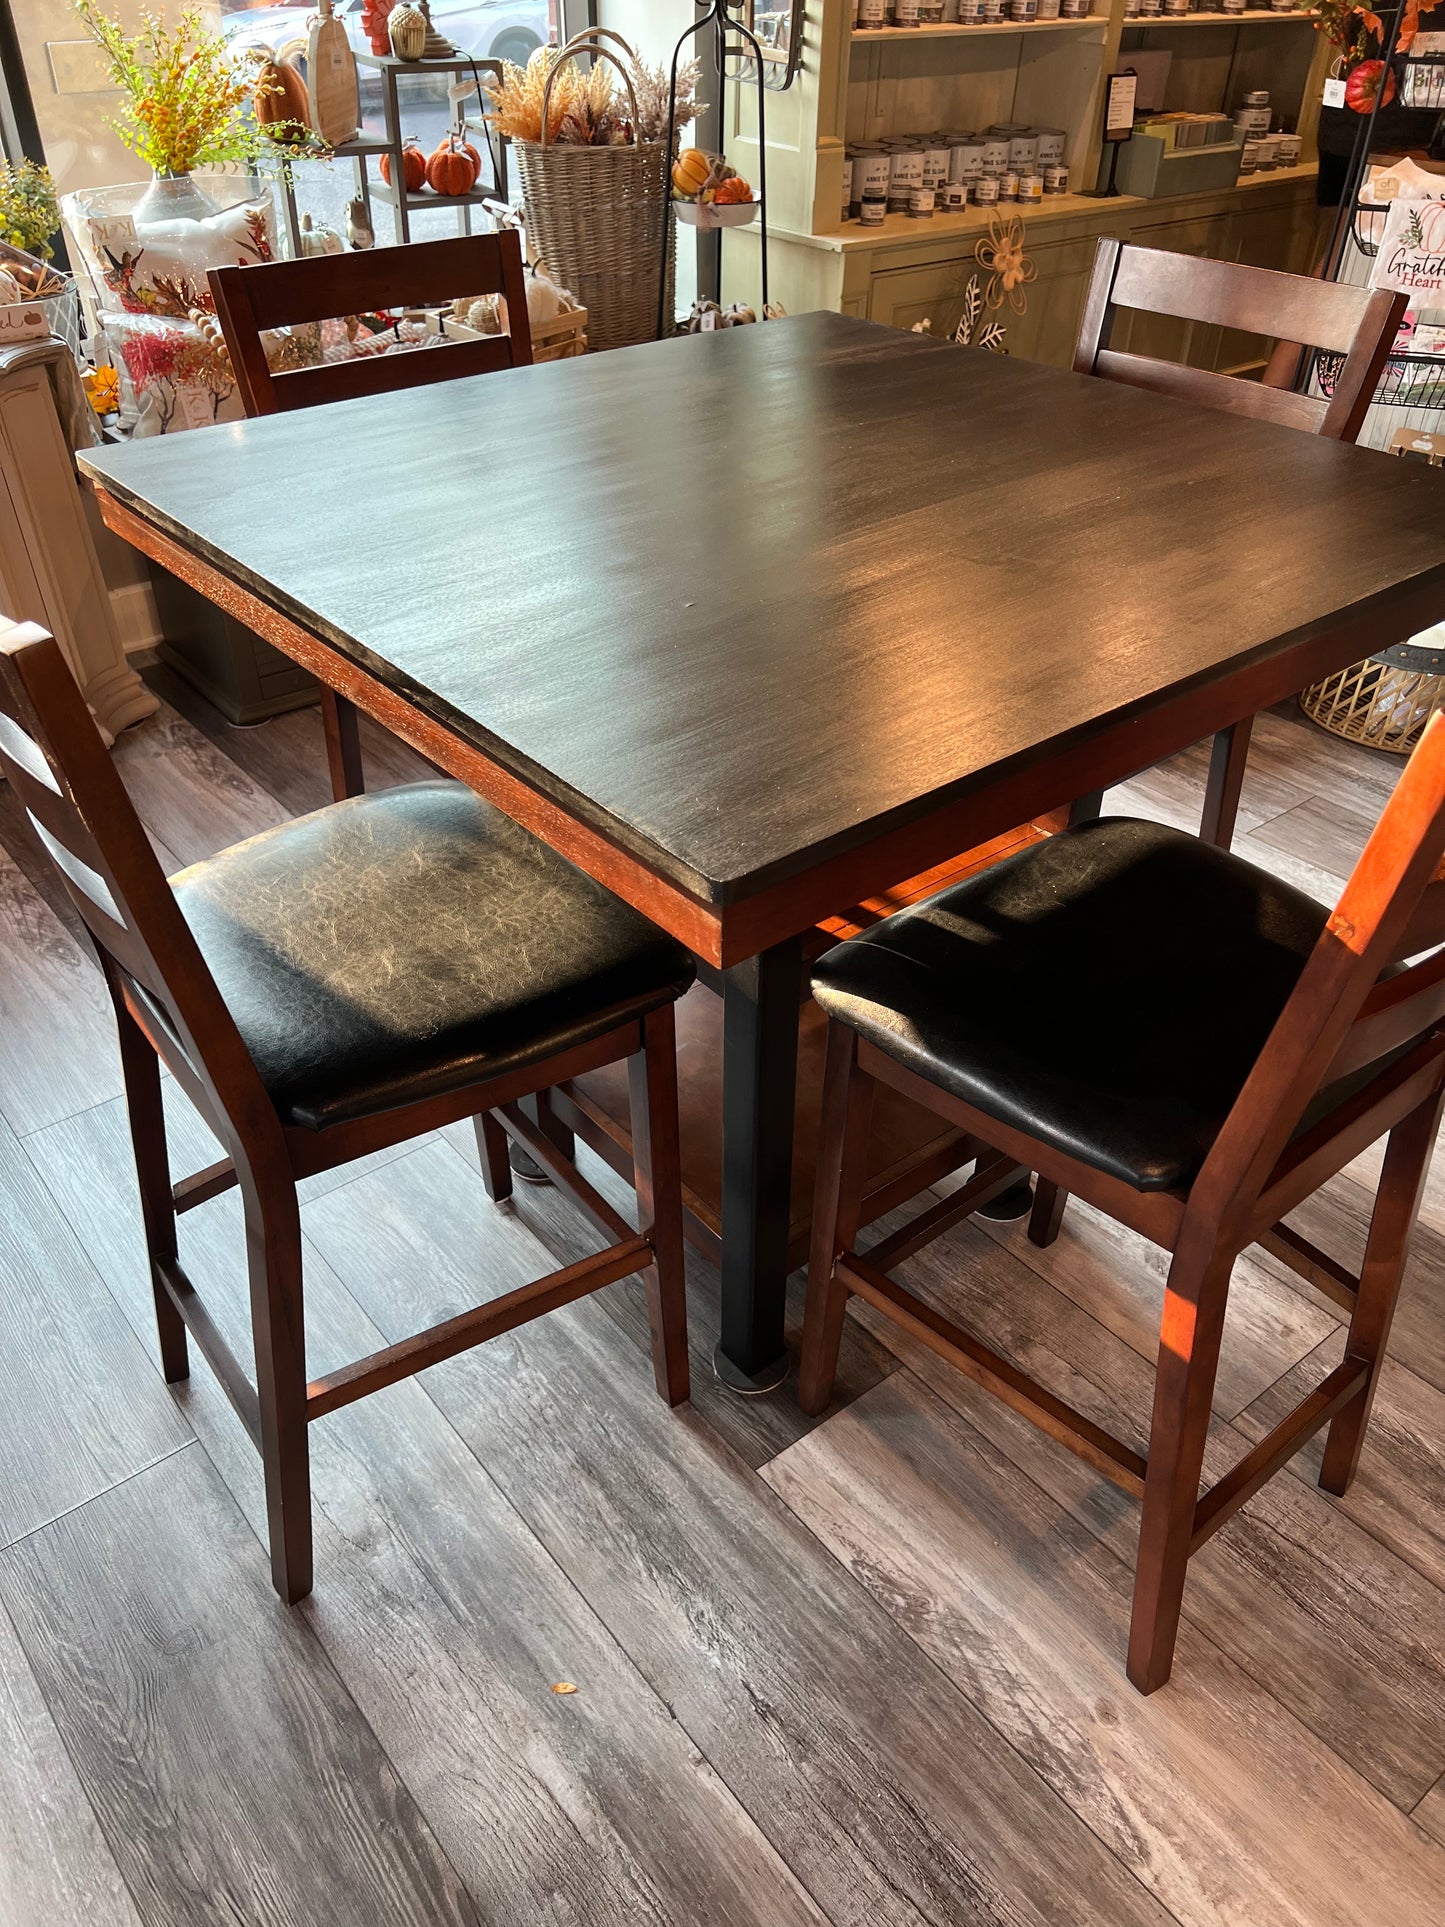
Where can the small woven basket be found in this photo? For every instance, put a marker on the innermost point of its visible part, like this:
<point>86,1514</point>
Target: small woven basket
<point>1384,701</point>
<point>597,216</point>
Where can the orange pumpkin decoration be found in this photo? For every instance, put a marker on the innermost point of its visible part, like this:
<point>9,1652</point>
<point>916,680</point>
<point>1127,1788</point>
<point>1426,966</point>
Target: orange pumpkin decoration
<point>413,165</point>
<point>731,191</point>
<point>281,97</point>
<point>453,167</point>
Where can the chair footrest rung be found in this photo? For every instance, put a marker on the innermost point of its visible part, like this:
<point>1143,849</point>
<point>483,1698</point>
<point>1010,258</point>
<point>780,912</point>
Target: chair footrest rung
<point>1328,1276</point>
<point>469,1328</point>
<point>212,1347</point>
<point>990,1369</point>
<point>201,1186</point>
<point>1276,1448</point>
<point>986,1183</point>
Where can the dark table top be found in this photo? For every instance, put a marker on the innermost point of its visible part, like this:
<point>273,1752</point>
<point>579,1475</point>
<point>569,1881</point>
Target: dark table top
<point>743,601</point>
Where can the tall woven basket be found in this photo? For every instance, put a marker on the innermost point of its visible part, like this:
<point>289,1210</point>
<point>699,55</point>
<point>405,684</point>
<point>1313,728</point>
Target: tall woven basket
<point>1384,701</point>
<point>597,216</point>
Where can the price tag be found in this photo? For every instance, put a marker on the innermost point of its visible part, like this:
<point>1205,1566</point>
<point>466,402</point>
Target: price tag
<point>1119,106</point>
<point>1334,93</point>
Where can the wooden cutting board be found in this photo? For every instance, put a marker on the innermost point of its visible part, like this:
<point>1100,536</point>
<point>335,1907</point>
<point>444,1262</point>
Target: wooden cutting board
<point>335,95</point>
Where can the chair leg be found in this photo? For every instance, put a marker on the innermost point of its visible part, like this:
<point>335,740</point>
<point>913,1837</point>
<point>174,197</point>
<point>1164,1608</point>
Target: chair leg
<point>492,1144</point>
<point>1407,1163</point>
<point>657,1179</point>
<point>1227,758</point>
<point>273,1250</point>
<point>837,1205</point>
<point>1048,1212</point>
<point>343,745</point>
<point>142,1073</point>
<point>1193,1323</point>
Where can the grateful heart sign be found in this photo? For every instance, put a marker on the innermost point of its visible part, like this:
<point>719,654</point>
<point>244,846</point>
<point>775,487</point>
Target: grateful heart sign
<point>1411,259</point>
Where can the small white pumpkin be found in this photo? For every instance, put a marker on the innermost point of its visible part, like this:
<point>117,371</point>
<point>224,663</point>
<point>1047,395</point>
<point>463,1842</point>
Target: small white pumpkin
<point>545,300</point>
<point>10,290</point>
<point>319,239</point>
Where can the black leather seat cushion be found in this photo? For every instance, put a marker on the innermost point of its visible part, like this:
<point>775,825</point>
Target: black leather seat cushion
<point>404,944</point>
<point>1107,991</point>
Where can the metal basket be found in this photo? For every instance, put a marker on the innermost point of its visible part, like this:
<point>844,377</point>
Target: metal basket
<point>1383,702</point>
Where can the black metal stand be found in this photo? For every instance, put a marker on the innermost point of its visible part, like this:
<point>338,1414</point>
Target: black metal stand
<point>719,15</point>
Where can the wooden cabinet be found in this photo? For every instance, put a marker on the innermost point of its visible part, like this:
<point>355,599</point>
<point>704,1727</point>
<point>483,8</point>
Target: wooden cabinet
<point>860,87</point>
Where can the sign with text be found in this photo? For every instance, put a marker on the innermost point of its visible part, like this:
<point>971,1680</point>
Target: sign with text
<point>1119,105</point>
<point>1411,258</point>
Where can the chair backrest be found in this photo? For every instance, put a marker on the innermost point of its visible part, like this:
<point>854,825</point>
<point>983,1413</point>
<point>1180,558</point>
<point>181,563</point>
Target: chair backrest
<point>1343,1014</point>
<point>323,287</point>
<point>61,772</point>
<point>1358,323</point>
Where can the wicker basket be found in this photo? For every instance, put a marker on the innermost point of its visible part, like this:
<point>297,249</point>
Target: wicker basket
<point>1383,702</point>
<point>597,216</point>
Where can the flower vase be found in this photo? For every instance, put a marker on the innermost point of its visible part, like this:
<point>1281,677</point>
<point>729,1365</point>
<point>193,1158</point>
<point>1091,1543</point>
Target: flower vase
<point>172,197</point>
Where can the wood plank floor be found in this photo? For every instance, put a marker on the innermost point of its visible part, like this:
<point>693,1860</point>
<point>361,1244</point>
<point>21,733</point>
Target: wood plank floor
<point>863,1672</point>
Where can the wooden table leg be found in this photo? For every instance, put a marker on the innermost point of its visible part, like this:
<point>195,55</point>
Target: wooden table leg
<point>760,1068</point>
<point>342,725</point>
<point>1227,758</point>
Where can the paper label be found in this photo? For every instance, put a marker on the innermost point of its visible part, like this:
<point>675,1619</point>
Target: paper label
<point>1334,93</point>
<point>1119,106</point>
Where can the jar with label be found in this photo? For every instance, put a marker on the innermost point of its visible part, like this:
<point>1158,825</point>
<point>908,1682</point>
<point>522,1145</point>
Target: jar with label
<point>905,13</point>
<point>970,13</point>
<point>1031,189</point>
<point>1052,142</point>
<point>935,166</point>
<point>1288,146</point>
<point>930,13</point>
<point>871,169</point>
<point>1252,120</point>
<point>1008,187</point>
<point>1025,12</point>
<point>871,213</point>
<point>921,203</point>
<point>1231,6</point>
<point>1023,153</point>
<point>1249,157</point>
<point>1048,9</point>
<point>905,173</point>
<point>847,186</point>
<point>992,13</point>
<point>871,14</point>
<point>1148,9</point>
<point>1056,179</point>
<point>1074,9</point>
<point>1268,153</point>
<point>995,154</point>
<point>985,190</point>
<point>965,162</point>
<point>1176,9</point>
<point>954,197</point>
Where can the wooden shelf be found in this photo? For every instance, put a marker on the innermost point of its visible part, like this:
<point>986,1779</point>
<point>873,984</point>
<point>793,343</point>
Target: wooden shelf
<point>956,30</point>
<point>428,197</point>
<point>1251,19</point>
<point>904,230</point>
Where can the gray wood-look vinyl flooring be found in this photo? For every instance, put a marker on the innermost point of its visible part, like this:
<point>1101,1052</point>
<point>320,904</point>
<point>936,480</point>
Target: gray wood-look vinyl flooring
<point>859,1672</point>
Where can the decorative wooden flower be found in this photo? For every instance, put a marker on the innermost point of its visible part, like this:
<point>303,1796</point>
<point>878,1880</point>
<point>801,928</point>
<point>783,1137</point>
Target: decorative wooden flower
<point>1009,268</point>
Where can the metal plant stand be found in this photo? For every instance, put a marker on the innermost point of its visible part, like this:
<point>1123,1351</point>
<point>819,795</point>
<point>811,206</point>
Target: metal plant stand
<point>735,41</point>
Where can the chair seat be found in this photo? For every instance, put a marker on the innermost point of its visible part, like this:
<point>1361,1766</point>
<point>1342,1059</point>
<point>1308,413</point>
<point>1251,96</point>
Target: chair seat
<point>400,945</point>
<point>1106,991</point>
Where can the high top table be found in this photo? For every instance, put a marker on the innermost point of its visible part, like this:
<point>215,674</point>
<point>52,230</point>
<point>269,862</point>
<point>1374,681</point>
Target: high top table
<point>753,625</point>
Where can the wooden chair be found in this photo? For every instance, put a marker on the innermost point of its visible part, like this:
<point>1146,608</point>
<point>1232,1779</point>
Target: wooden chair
<point>281,294</point>
<point>345,982</point>
<point>1356,323</point>
<point>1192,1046</point>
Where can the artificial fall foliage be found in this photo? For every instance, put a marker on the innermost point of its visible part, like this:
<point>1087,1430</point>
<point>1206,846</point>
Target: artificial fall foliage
<point>588,109</point>
<point>185,92</point>
<point>29,214</point>
<point>1350,28</point>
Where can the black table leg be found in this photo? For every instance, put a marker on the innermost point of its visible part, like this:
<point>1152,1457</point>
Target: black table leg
<point>760,1074</point>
